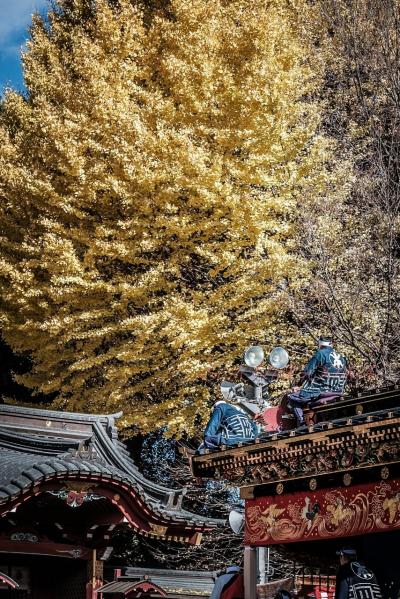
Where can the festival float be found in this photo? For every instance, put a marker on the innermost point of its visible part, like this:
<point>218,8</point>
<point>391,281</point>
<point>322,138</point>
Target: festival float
<point>333,482</point>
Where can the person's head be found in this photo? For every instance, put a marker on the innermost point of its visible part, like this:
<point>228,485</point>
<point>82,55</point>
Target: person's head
<point>346,555</point>
<point>325,341</point>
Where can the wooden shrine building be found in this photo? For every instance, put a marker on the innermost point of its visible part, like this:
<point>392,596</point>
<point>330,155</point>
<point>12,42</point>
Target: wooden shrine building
<point>66,485</point>
<point>335,481</point>
<point>155,584</point>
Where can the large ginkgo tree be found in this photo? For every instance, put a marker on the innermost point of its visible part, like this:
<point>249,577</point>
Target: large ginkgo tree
<point>150,182</point>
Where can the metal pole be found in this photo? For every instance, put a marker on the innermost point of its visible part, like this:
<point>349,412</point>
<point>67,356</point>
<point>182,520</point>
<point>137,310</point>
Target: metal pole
<point>262,575</point>
<point>250,573</point>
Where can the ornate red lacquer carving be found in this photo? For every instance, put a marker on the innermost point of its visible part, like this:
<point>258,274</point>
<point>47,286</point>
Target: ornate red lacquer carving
<point>323,514</point>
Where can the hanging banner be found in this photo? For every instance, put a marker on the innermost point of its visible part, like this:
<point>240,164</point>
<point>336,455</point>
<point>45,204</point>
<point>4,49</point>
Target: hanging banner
<point>323,514</point>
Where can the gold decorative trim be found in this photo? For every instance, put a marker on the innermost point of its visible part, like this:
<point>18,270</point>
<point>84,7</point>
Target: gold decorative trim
<point>311,455</point>
<point>158,529</point>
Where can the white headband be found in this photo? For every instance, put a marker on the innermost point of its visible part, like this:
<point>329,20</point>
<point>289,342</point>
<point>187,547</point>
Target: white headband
<point>325,343</point>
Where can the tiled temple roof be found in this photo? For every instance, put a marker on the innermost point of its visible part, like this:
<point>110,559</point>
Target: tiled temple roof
<point>40,446</point>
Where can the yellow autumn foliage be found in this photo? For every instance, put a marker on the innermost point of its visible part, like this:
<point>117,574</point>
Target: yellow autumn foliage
<point>150,183</point>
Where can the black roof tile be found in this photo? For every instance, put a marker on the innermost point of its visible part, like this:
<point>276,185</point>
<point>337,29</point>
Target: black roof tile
<point>33,473</point>
<point>45,468</point>
<point>21,481</point>
<point>11,489</point>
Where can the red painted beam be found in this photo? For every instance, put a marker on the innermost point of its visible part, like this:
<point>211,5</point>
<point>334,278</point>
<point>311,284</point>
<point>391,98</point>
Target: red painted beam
<point>45,548</point>
<point>323,514</point>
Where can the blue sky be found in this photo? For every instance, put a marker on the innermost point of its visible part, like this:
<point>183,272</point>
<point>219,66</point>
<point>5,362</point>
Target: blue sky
<point>15,18</point>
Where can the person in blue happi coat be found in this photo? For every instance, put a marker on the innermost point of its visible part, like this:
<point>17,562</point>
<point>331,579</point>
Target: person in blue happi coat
<point>228,425</point>
<point>323,378</point>
<point>224,580</point>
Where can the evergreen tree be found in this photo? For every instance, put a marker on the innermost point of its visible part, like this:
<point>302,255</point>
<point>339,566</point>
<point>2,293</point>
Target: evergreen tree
<point>150,182</point>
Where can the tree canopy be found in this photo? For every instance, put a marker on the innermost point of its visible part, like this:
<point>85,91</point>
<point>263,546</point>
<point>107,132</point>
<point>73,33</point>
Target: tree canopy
<point>150,183</point>
<point>353,243</point>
